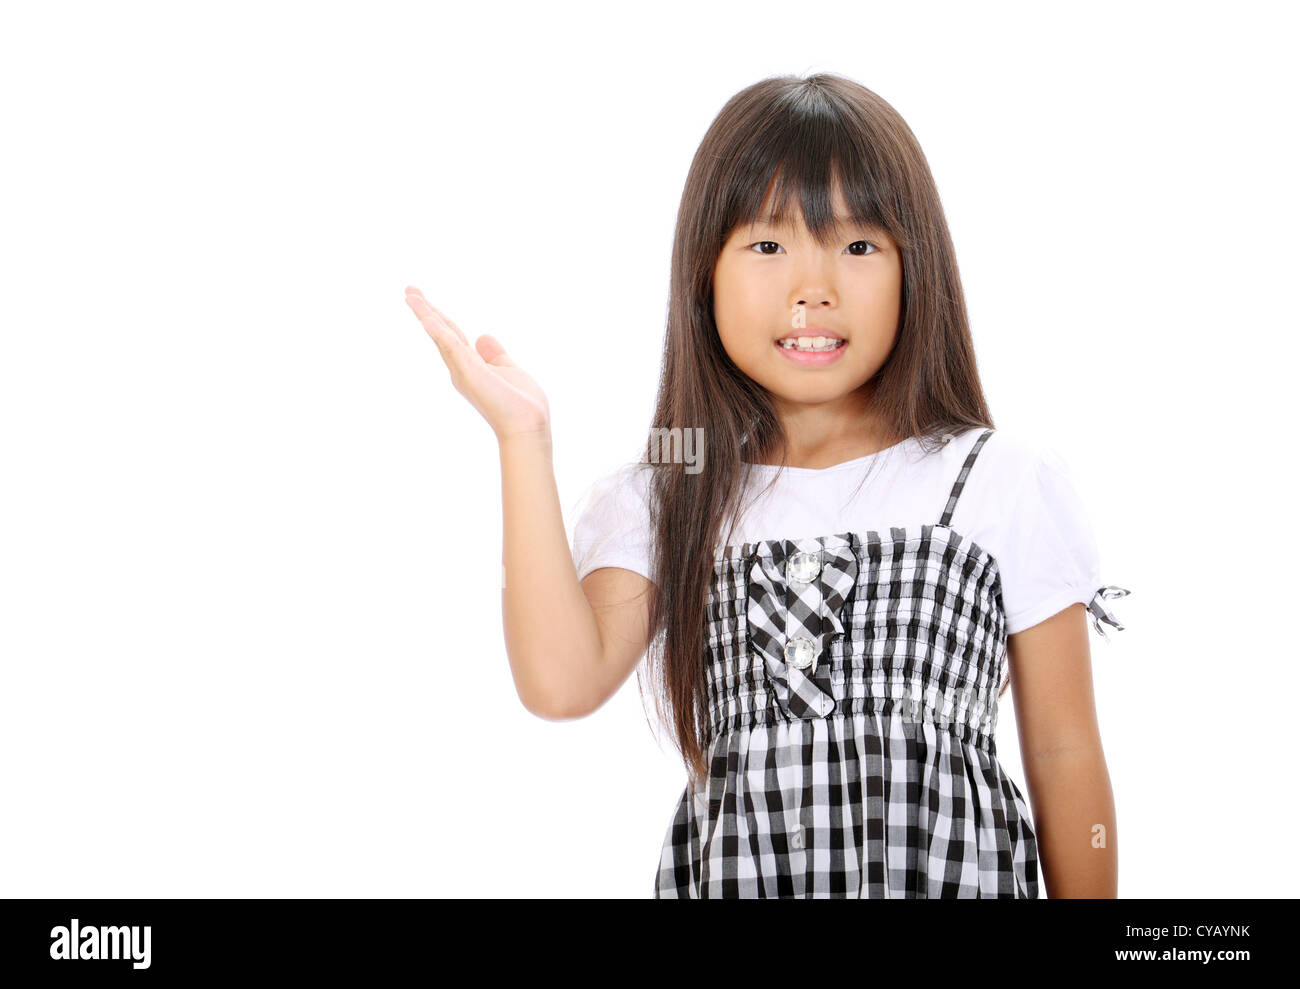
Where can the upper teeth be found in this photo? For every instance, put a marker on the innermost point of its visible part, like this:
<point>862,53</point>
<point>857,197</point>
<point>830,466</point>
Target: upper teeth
<point>810,343</point>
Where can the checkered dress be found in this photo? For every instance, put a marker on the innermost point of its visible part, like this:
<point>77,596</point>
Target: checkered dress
<point>852,691</point>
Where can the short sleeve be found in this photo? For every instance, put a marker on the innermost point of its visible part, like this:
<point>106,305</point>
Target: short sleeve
<point>1051,559</point>
<point>613,527</point>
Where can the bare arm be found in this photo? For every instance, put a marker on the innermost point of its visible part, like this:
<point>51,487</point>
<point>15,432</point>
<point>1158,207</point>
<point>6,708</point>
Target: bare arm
<point>570,645</point>
<point>1060,745</point>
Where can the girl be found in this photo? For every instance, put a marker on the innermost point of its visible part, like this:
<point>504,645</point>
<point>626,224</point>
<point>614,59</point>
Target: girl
<point>831,665</point>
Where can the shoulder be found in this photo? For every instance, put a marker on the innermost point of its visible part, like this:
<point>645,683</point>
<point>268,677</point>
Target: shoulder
<point>995,464</point>
<point>1016,472</point>
<point>1021,491</point>
<point>1011,457</point>
<point>613,524</point>
<point>624,488</point>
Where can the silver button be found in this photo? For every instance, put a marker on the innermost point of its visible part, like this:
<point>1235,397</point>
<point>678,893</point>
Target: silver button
<point>796,839</point>
<point>800,652</point>
<point>801,568</point>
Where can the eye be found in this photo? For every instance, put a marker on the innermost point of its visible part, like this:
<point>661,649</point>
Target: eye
<point>859,254</point>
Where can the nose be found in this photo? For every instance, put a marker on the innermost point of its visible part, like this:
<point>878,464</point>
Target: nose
<point>814,281</point>
<point>808,304</point>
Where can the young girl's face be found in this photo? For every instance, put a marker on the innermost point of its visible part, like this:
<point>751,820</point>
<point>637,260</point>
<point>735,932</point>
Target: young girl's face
<point>772,284</point>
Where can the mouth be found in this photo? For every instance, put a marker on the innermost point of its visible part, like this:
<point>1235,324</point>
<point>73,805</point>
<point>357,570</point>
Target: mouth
<point>815,351</point>
<point>821,343</point>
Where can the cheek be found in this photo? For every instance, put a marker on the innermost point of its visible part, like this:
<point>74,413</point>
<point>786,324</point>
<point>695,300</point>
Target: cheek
<point>879,304</point>
<point>741,313</point>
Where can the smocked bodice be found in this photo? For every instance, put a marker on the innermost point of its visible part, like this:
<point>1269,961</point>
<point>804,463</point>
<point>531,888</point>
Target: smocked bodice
<point>909,620</point>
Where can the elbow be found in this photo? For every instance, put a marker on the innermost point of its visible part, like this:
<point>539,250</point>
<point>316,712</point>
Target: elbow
<point>551,708</point>
<point>555,692</point>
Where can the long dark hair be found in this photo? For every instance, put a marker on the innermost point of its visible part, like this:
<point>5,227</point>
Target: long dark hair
<point>792,137</point>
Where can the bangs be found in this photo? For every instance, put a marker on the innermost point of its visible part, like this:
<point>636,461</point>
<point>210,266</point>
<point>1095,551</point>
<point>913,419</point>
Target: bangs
<point>792,168</point>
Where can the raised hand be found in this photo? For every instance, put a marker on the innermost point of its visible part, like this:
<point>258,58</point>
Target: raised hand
<point>511,401</point>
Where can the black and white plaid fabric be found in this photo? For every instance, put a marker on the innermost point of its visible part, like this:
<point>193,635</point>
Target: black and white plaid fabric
<point>852,690</point>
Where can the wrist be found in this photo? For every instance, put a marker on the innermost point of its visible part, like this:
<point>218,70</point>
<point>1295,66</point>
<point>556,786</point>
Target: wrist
<point>533,440</point>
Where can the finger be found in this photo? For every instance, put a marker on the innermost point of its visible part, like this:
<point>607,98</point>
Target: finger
<point>463,362</point>
<point>417,295</point>
<point>454,354</point>
<point>441,315</point>
<point>491,350</point>
<point>434,324</point>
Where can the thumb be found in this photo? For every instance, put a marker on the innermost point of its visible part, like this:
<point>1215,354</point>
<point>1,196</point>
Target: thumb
<point>491,350</point>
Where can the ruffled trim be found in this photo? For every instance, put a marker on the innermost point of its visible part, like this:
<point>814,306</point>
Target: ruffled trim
<point>1099,611</point>
<point>786,615</point>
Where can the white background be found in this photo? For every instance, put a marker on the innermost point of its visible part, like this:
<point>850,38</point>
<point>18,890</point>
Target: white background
<point>251,537</point>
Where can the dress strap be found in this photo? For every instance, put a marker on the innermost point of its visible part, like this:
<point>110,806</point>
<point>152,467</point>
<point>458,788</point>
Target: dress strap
<point>961,478</point>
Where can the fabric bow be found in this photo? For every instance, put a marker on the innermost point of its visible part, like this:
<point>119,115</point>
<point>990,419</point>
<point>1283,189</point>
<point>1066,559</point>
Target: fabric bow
<point>1100,613</point>
<point>783,609</point>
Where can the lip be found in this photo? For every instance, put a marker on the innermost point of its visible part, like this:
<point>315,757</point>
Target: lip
<point>817,331</point>
<point>809,359</point>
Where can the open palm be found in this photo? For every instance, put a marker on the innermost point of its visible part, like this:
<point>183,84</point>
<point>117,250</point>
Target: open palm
<point>511,401</point>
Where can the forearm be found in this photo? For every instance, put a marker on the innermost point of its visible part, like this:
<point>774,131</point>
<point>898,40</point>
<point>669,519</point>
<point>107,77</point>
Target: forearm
<point>1071,797</point>
<point>551,633</point>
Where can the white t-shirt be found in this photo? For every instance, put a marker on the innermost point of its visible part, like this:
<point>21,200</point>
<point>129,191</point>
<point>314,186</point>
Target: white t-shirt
<point>1018,503</point>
